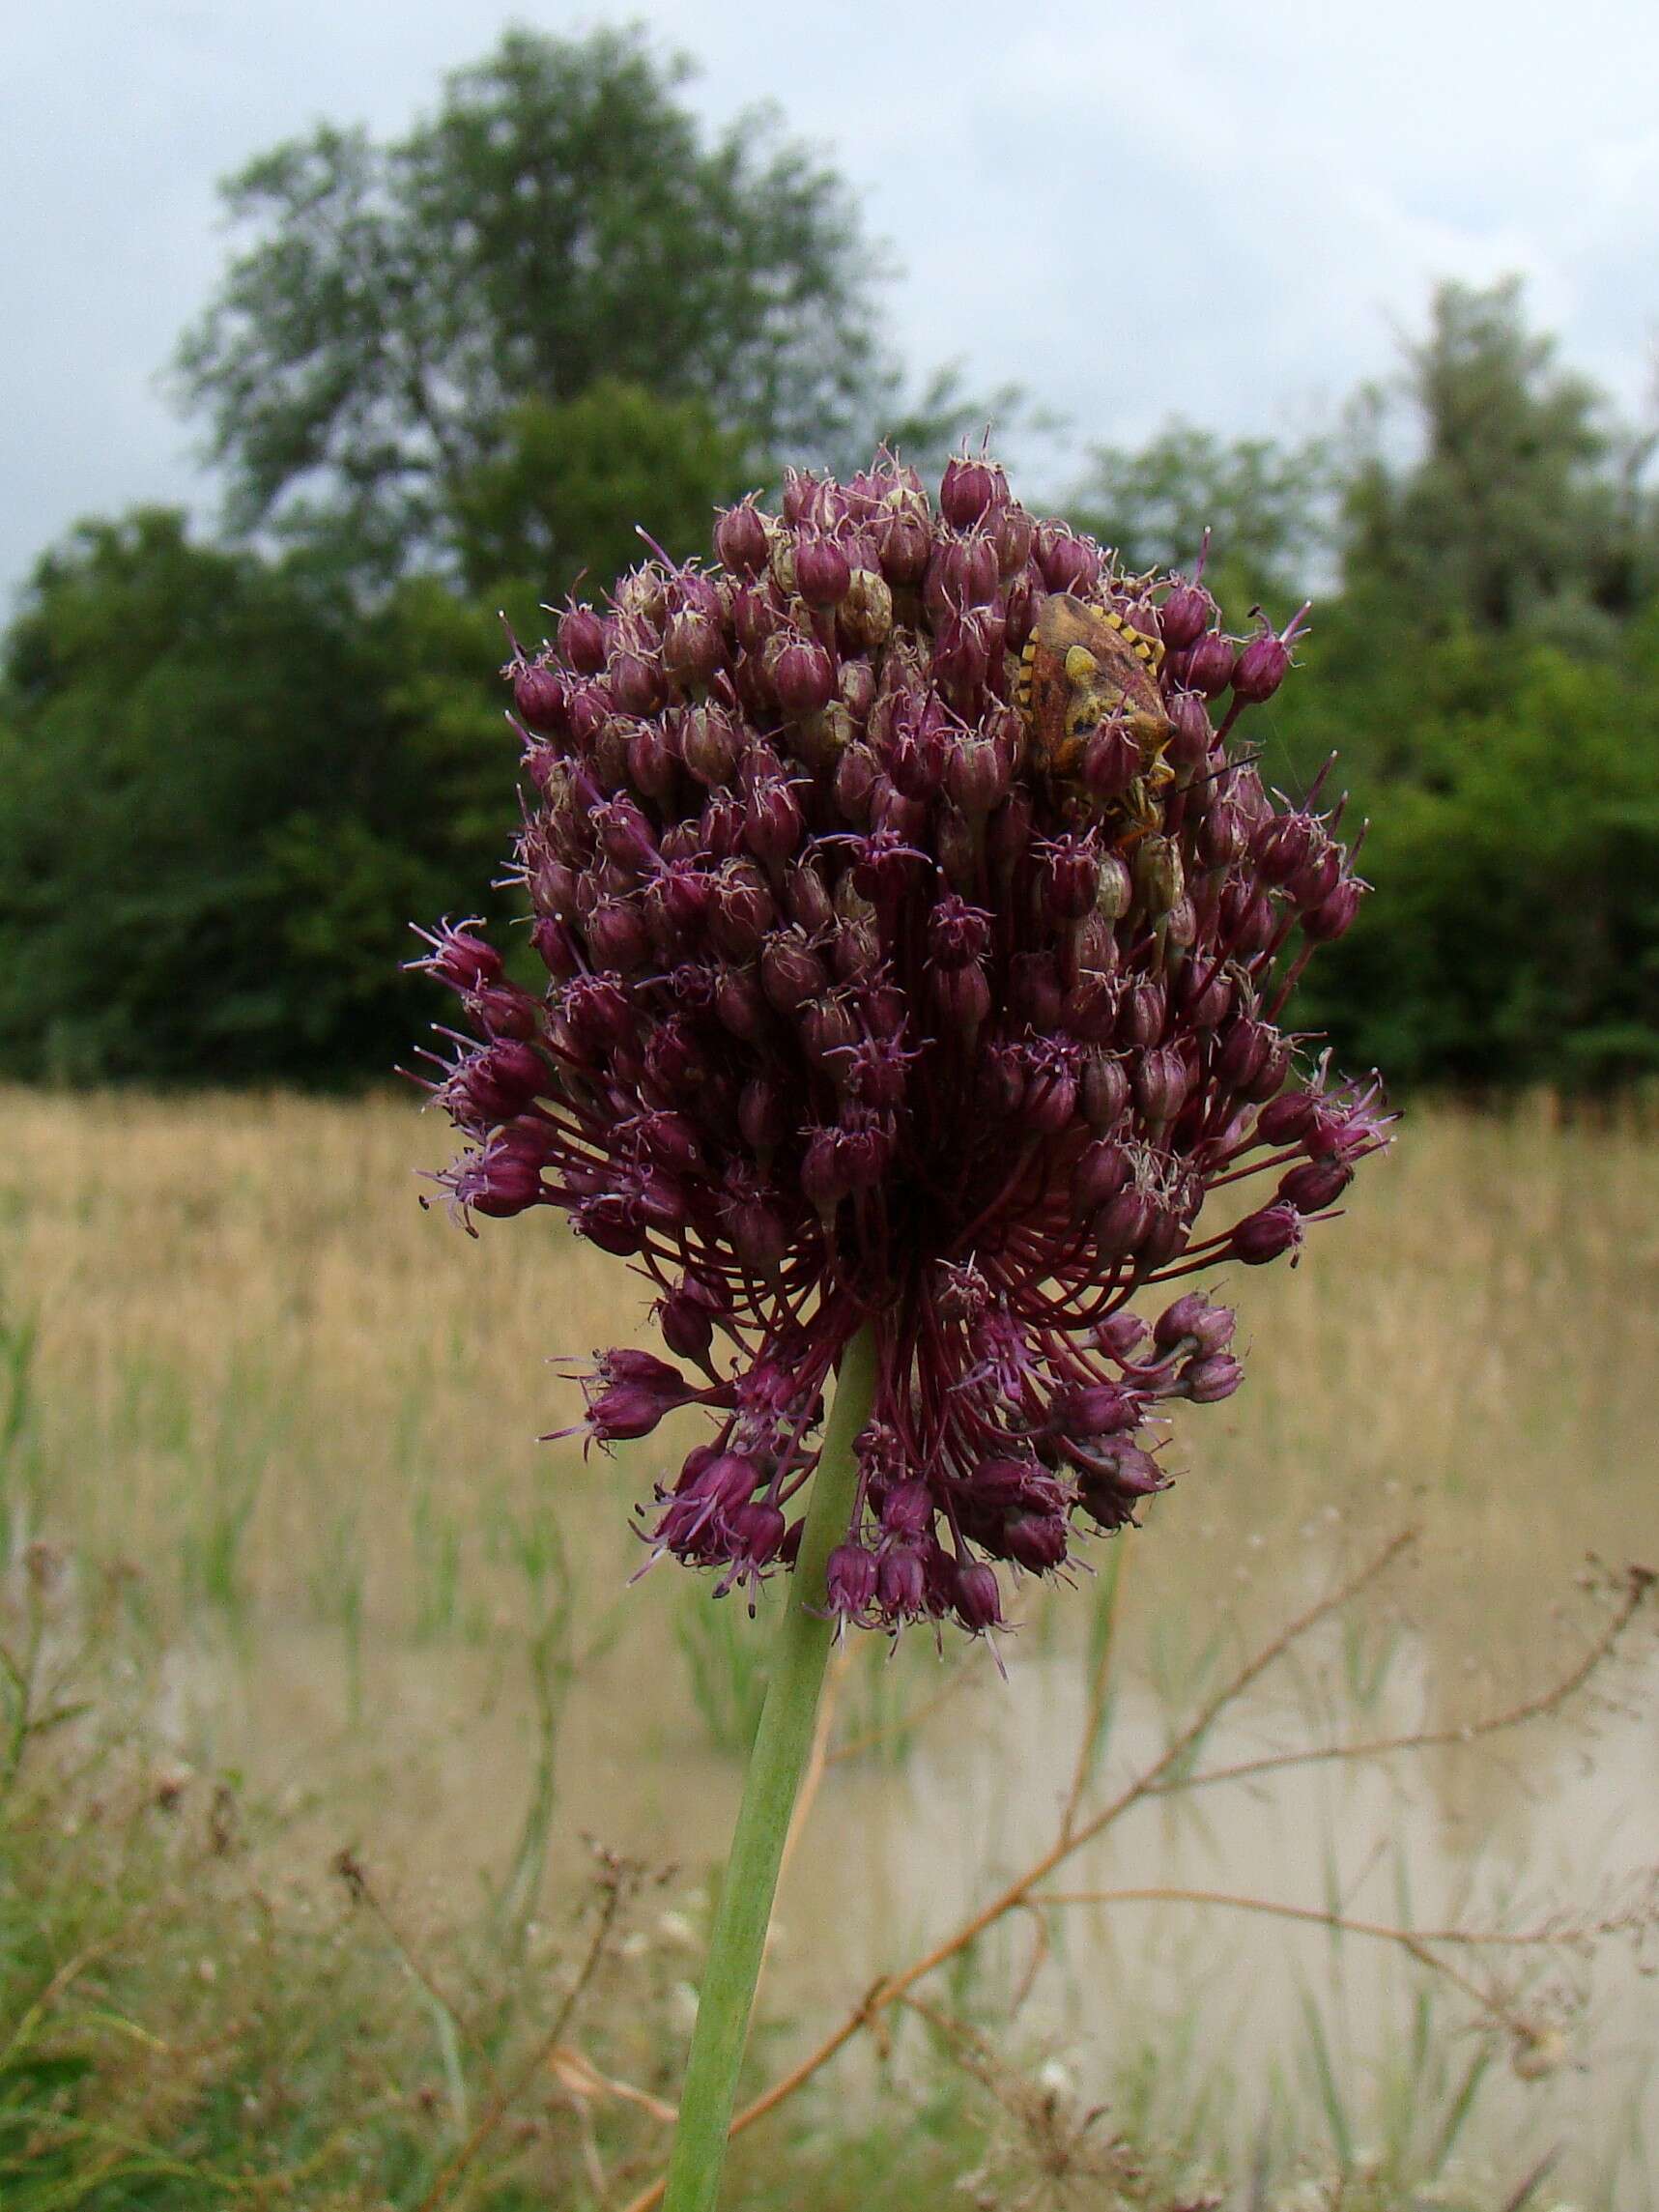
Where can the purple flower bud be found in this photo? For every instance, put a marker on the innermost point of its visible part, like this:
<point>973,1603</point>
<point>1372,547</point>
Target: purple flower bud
<point>1318,1184</point>
<point>741,541</point>
<point>757,1533</point>
<point>849,1581</point>
<point>904,543</point>
<point>742,910</point>
<point>1101,1173</point>
<point>1192,1319</point>
<point>1119,1337</point>
<point>970,490</point>
<point>1284,845</point>
<point>900,1585</point>
<point>582,640</point>
<point>740,1005</point>
<point>759,1234</point>
<point>964,999</point>
<point>618,937</point>
<point>1187,614</point>
<point>1145,1011</point>
<point>1263,1236</point>
<point>1191,733</point>
<point>497,1182</point>
<point>1264,663</point>
<point>977,1598</point>
<point>1222,837</point>
<point>638,683</point>
<point>1035,1542</point>
<point>1050,1097</point>
<point>1243,1046</point>
<point>1121,1227</point>
<point>822,571</point>
<point>1248,918</point>
<point>762,1116</point>
<point>461,959</point>
<point>1070,877</point>
<point>802,674</point>
<point>1007,831</point>
<point>1096,1409</point>
<point>907,1510</point>
<point>693,648</point>
<point>687,1315</point>
<point>1014,534</point>
<point>555,945</point>
<point>710,745</point>
<point>963,576</point>
<point>1335,917</point>
<point>1269,1077</point>
<point>539,695</point>
<point>1106,1092</point>
<point>1207,1380</point>
<point>1206,667</point>
<point>1111,762</point>
<point>976,776</point>
<point>1286,1119</point>
<point>1205,998</point>
<point>1068,564</point>
<point>771,818</point>
<point>503,1010</point>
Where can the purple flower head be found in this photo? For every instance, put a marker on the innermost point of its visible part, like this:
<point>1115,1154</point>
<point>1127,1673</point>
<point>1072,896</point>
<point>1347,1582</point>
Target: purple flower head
<point>908,963</point>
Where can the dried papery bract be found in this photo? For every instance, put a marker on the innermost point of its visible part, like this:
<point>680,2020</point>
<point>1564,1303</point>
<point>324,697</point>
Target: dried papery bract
<point>915,959</point>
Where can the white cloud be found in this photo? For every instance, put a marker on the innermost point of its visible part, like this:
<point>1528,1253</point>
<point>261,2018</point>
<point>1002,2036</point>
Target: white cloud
<point>1212,210</point>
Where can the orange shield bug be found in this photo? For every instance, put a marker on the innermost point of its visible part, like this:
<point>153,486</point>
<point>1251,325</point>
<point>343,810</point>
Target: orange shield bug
<point>1084,667</point>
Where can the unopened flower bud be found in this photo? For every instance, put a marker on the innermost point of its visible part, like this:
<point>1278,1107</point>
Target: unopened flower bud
<point>1191,733</point>
<point>1187,614</point>
<point>978,1600</point>
<point>740,539</point>
<point>1316,1184</point>
<point>539,695</point>
<point>1206,667</point>
<point>822,571</point>
<point>1264,663</point>
<point>1111,762</point>
<point>1207,1380</point>
<point>849,1581</point>
<point>801,673</point>
<point>970,490</point>
<point>582,640</point>
<point>1263,1236</point>
<point>1335,917</point>
<point>1068,564</point>
<point>1162,1082</point>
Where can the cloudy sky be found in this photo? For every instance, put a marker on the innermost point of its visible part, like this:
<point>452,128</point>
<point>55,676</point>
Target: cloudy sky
<point>1226,208</point>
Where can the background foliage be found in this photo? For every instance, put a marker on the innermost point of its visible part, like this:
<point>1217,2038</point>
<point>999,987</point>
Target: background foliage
<point>446,376</point>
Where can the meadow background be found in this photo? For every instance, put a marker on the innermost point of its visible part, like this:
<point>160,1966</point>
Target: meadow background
<point>358,1819</point>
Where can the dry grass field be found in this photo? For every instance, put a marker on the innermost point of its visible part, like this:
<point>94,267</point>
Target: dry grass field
<point>291,1419</point>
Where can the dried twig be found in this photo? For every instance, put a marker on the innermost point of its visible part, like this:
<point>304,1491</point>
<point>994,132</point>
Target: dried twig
<point>1164,1776</point>
<point>616,1879</point>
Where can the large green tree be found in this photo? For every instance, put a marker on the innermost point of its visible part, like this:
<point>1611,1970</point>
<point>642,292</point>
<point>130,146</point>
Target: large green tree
<point>1267,508</point>
<point>407,321</point>
<point>222,794</point>
<point>1491,485</point>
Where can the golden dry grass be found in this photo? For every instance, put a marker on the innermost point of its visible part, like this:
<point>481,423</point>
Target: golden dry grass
<point>260,1359</point>
<point>306,1412</point>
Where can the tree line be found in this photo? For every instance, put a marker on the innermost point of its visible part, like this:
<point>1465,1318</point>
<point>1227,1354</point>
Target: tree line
<point>446,376</point>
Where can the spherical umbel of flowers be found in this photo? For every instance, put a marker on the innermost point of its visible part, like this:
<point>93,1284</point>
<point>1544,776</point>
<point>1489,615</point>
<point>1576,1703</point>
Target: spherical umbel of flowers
<point>917,944</point>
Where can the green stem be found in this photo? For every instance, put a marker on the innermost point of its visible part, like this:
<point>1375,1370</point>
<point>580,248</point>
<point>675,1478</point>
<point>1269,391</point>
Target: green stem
<point>783,1742</point>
